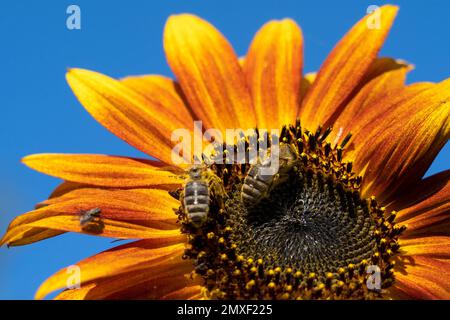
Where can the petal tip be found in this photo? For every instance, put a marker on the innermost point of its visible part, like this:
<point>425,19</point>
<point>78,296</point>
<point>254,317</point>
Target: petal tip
<point>181,17</point>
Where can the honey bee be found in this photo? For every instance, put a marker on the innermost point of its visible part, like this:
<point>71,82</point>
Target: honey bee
<point>200,184</point>
<point>88,216</point>
<point>257,185</point>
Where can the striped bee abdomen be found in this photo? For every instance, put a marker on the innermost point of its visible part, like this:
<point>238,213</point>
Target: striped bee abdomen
<point>196,200</point>
<point>255,186</point>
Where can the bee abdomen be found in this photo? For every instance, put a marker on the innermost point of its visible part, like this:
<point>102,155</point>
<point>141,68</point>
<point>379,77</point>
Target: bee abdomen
<point>196,201</point>
<point>195,188</point>
<point>197,217</point>
<point>254,187</point>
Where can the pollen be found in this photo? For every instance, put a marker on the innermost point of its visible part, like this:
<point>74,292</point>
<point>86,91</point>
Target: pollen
<point>311,237</point>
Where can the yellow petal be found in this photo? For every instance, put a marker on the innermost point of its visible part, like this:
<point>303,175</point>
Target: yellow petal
<point>144,124</point>
<point>134,258</point>
<point>273,67</point>
<point>209,73</point>
<point>163,91</point>
<point>102,170</point>
<point>344,68</point>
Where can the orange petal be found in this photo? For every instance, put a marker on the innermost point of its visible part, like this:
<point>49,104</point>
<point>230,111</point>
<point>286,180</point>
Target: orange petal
<point>273,67</point>
<point>26,235</point>
<point>163,91</point>
<point>385,64</point>
<point>131,214</point>
<point>128,114</point>
<point>306,82</point>
<point>131,258</point>
<point>432,247</point>
<point>102,170</point>
<point>428,217</point>
<point>344,68</point>
<point>424,278</point>
<point>381,86</point>
<point>66,223</point>
<point>65,187</point>
<point>209,73</point>
<point>395,150</point>
<point>186,293</point>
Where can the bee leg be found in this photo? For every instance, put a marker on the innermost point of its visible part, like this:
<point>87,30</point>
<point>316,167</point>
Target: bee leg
<point>218,190</point>
<point>176,193</point>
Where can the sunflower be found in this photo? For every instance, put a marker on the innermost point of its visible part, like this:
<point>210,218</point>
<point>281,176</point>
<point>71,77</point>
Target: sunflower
<point>357,198</point>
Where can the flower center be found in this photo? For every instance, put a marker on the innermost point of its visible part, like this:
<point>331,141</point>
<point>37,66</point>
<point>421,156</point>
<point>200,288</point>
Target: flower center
<point>308,223</point>
<point>310,237</point>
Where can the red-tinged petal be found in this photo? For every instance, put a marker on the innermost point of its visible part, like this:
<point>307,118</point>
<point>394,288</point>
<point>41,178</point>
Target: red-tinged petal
<point>105,228</point>
<point>428,217</point>
<point>379,87</point>
<point>345,68</point>
<point>209,73</point>
<point>394,150</point>
<point>422,191</point>
<point>144,285</point>
<point>146,212</point>
<point>424,278</point>
<point>273,67</point>
<point>136,258</point>
<point>107,171</point>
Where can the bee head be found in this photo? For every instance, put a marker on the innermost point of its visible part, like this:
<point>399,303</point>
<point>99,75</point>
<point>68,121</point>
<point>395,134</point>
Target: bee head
<point>196,172</point>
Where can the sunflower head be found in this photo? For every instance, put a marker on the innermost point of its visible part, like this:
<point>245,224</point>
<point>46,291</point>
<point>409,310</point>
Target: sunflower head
<point>311,236</point>
<point>353,144</point>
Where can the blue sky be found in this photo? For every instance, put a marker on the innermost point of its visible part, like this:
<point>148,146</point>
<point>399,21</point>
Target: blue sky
<point>118,38</point>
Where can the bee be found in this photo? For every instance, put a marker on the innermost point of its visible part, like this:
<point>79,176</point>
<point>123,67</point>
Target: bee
<point>89,216</point>
<point>257,185</point>
<point>196,194</point>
